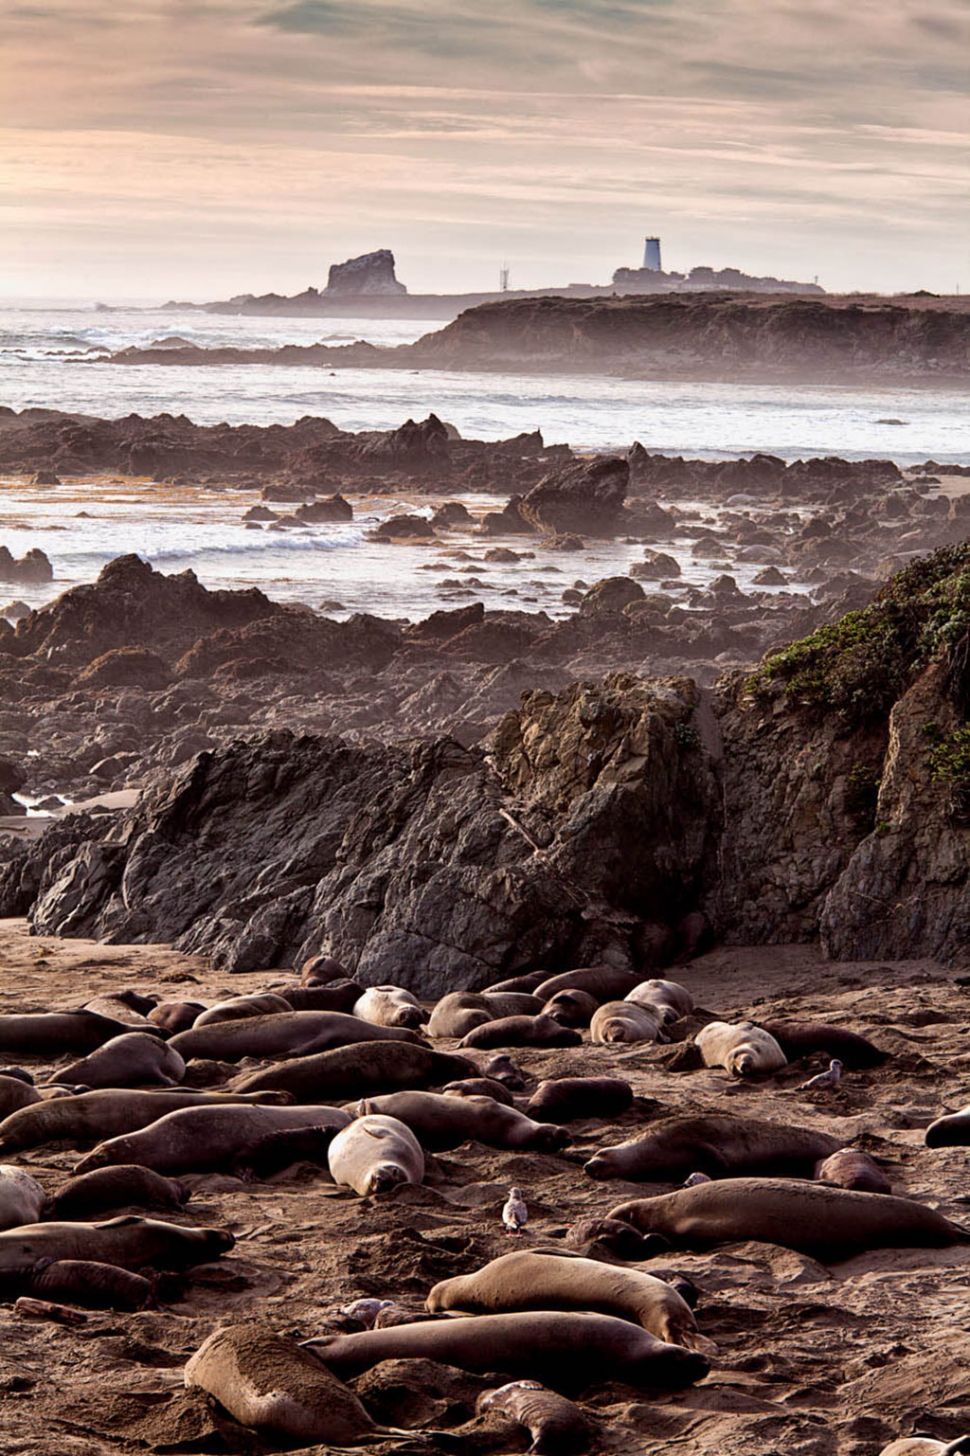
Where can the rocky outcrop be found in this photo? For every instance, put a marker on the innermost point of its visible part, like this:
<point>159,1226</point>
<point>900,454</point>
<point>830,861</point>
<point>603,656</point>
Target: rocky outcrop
<point>586,497</point>
<point>34,566</point>
<point>370,273</point>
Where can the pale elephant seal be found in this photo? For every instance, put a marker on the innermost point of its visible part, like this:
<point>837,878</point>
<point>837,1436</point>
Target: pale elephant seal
<point>110,1112</point>
<point>521,1031</point>
<point>555,1281</point>
<point>92,1285</point>
<point>125,1186</point>
<point>320,970</point>
<point>606,983</point>
<point>801,1038</point>
<point>374,1154</point>
<point>238,1008</point>
<point>919,1445</point>
<point>479,1087</point>
<point>566,1099</point>
<point>441,1123</point>
<point>556,1426</point>
<point>460,1012</point>
<point>15,1094</point>
<point>285,1034</point>
<point>744,1050</point>
<point>357,1071</point>
<point>130,1242</point>
<point>952,1131</point>
<point>174,1016</point>
<point>268,1383</point>
<point>717,1144</point>
<point>132,1060</point>
<point>55,1033</point>
<point>624,1021</point>
<point>390,1006</point>
<point>571,1008</point>
<point>21,1197</point>
<point>813,1218</point>
<point>668,1000</point>
<point>848,1168</point>
<point>205,1139</point>
<point>558,1347</point>
<point>337,996</point>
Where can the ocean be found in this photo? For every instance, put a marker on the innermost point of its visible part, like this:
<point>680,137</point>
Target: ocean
<point>54,356</point>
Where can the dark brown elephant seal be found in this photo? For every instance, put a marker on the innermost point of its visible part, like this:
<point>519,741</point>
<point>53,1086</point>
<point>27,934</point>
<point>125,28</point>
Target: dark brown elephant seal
<point>57,1033</point>
<point>441,1123</point>
<point>801,1038</point>
<point>571,1008</point>
<point>268,1383</point>
<point>556,1426</point>
<point>320,970</point>
<point>337,996</point>
<point>205,1139</point>
<point>561,1348</point>
<point>285,1034</point>
<point>15,1094</point>
<point>460,1012</point>
<point>480,1087</point>
<point>566,1099</point>
<point>124,1186</point>
<point>510,1031</point>
<point>358,1070</point>
<point>110,1112</point>
<point>526,1280</point>
<point>525,983</point>
<point>952,1131</point>
<point>175,1016</point>
<point>238,1008</point>
<point>92,1285</point>
<point>851,1169</point>
<point>131,1060</point>
<point>130,1242</point>
<point>278,1151</point>
<point>620,1240</point>
<point>813,1218</point>
<point>719,1145</point>
<point>606,983</point>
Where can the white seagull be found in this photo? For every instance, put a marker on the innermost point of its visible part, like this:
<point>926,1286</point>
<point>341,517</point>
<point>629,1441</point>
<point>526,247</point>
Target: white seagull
<point>824,1080</point>
<point>515,1215</point>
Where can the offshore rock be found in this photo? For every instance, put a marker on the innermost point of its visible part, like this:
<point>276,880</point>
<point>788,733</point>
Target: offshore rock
<point>585,497</point>
<point>370,273</point>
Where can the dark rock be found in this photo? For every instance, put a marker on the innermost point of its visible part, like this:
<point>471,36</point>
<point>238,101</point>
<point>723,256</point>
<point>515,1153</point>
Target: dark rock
<point>46,477</point>
<point>585,497</point>
<point>126,667</point>
<point>611,594</point>
<point>370,273</point>
<point>332,508</point>
<point>452,514</point>
<point>402,528</point>
<point>33,567</point>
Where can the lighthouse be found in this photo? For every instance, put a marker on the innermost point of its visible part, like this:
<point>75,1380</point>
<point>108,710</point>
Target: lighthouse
<point>651,255</point>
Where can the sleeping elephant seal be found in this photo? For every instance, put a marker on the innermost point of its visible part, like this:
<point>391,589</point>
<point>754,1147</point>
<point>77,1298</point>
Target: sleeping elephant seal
<point>15,1094</point>
<point>125,1186</point>
<point>375,1154</point>
<point>668,1000</point>
<point>442,1123</point>
<point>109,1112</point>
<point>720,1145</point>
<point>517,1031</point>
<point>130,1242</point>
<point>596,1236</point>
<point>558,1347</point>
<point>283,1034</point>
<point>55,1033</point>
<point>952,1131</point>
<point>479,1087</point>
<point>92,1285</point>
<point>851,1169</point>
<point>357,1071</point>
<point>555,1281</point>
<point>268,1383</point>
<point>132,1060</point>
<point>566,1099</point>
<point>237,1008</point>
<point>624,1021</point>
<point>744,1050</point>
<point>801,1038</point>
<point>526,983</point>
<point>557,1427</point>
<point>390,1006</point>
<point>205,1139</point>
<point>571,1008</point>
<point>926,1446</point>
<point>320,970</point>
<point>460,1012</point>
<point>605,983</point>
<point>336,996</point>
<point>175,1016</point>
<point>21,1197</point>
<point>826,1223</point>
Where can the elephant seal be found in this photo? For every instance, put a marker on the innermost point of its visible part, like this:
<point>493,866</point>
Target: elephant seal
<point>559,1347</point>
<point>15,1094</point>
<point>266,1382</point>
<point>283,1034</point>
<point>277,1151</point>
<point>54,1033</point>
<point>565,1099</point>
<point>920,1445</point>
<point>571,1008</point>
<point>619,1240</point>
<point>390,1006</point>
<point>21,1197</point>
<point>952,1131</point>
<point>237,1008</point>
<point>555,1281</point>
<point>744,1050</point>
<point>441,1123</point>
<point>605,983</point>
<point>668,1000</point>
<point>204,1139</point>
<point>320,970</point>
<point>535,1031</point>
<point>374,1154</point>
<point>93,1116</point>
<point>479,1087</point>
<point>851,1169</point>
<point>131,1060</point>
<point>175,1016</point>
<point>801,1038</point>
<point>557,1427</point>
<point>525,983</point>
<point>623,1021</point>
<point>337,996</point>
<point>717,1144</point>
<point>357,1070</point>
<point>130,1242</point>
<point>127,1185</point>
<point>93,1285</point>
<point>826,1223</point>
<point>460,1012</point>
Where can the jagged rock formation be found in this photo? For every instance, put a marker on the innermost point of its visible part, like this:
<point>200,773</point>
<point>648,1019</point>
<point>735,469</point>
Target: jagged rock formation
<point>370,273</point>
<point>34,566</point>
<point>585,497</point>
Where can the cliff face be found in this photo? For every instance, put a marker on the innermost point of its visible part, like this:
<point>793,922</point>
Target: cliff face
<point>370,273</point>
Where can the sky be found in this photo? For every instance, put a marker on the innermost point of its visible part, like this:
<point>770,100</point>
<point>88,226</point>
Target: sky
<point>201,148</point>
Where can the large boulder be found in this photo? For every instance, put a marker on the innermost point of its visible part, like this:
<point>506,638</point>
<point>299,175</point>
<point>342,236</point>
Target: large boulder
<point>586,497</point>
<point>370,273</point>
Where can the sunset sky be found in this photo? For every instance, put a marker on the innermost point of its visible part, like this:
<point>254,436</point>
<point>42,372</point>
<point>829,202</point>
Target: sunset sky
<point>200,148</point>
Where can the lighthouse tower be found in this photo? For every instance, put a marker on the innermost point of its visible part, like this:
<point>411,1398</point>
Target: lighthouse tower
<point>651,255</point>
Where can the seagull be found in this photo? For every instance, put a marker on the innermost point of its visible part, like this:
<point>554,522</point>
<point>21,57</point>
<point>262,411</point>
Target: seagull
<point>515,1215</point>
<point>696,1178</point>
<point>825,1080</point>
<point>365,1310</point>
